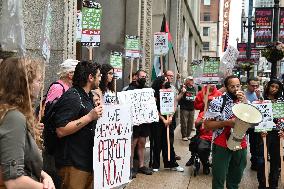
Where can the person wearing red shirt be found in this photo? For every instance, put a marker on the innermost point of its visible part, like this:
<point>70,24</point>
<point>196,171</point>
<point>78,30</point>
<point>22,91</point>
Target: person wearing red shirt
<point>227,165</point>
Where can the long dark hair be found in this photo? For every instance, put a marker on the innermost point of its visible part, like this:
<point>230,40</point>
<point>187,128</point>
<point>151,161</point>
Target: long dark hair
<point>157,85</point>
<point>279,92</point>
<point>104,85</point>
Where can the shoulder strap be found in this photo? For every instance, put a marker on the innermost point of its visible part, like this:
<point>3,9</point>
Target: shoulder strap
<point>223,103</point>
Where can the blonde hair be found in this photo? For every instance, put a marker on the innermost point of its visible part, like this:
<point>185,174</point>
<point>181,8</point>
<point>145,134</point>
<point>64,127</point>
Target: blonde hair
<point>17,75</point>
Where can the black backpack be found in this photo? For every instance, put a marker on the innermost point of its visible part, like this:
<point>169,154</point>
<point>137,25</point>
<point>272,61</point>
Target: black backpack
<point>50,139</point>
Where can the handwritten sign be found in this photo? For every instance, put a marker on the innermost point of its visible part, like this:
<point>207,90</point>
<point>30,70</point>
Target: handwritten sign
<point>109,98</point>
<point>143,105</point>
<point>112,147</point>
<point>278,109</point>
<point>167,101</point>
<point>91,23</point>
<point>47,33</point>
<point>161,43</point>
<point>265,108</point>
<point>211,70</point>
<point>132,46</point>
<point>116,62</point>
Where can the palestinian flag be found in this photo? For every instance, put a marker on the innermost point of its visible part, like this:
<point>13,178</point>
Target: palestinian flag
<point>156,69</point>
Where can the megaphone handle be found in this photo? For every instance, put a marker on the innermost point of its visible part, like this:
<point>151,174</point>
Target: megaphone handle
<point>281,160</point>
<point>265,161</point>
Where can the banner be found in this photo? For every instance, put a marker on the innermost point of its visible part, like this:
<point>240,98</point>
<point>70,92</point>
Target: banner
<point>211,70</point>
<point>263,27</point>
<point>242,48</point>
<point>161,43</point>
<point>112,147</point>
<point>91,23</point>
<point>132,46</point>
<point>143,105</point>
<point>116,62</point>
<point>167,102</point>
<point>265,107</point>
<point>226,15</point>
<point>281,25</point>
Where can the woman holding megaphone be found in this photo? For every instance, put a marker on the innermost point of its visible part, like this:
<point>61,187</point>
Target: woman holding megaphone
<point>273,91</point>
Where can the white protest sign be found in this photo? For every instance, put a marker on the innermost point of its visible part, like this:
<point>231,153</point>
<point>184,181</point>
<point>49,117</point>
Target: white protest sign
<point>161,43</point>
<point>143,105</point>
<point>167,101</point>
<point>265,107</point>
<point>228,61</point>
<point>109,98</point>
<point>112,147</point>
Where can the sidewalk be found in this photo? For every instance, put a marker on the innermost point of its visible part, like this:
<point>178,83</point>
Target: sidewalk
<point>165,179</point>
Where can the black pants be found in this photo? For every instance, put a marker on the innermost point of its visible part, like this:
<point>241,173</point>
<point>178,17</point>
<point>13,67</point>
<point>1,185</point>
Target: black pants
<point>203,150</point>
<point>159,143</point>
<point>273,145</point>
<point>253,137</point>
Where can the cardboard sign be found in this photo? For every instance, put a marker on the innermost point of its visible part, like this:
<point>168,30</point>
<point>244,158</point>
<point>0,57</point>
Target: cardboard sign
<point>278,109</point>
<point>112,147</point>
<point>132,46</point>
<point>211,70</point>
<point>167,102</point>
<point>79,26</point>
<point>161,43</point>
<point>116,62</point>
<point>265,107</point>
<point>91,24</point>
<point>47,32</point>
<point>142,103</point>
<point>109,98</point>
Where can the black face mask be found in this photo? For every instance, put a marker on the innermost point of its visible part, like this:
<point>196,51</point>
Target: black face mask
<point>167,85</point>
<point>141,82</point>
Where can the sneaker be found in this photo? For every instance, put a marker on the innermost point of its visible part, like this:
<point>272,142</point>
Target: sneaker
<point>133,173</point>
<point>190,161</point>
<point>185,139</point>
<point>155,170</point>
<point>178,169</point>
<point>206,170</point>
<point>145,170</point>
<point>177,157</point>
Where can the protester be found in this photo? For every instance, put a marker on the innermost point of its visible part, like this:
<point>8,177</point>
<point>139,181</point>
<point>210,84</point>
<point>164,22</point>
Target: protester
<point>106,88</point>
<point>75,120</point>
<point>227,165</point>
<point>55,91</point>
<point>20,159</point>
<point>159,132</point>
<point>273,92</point>
<point>133,83</point>
<point>253,94</point>
<point>204,136</point>
<point>188,92</point>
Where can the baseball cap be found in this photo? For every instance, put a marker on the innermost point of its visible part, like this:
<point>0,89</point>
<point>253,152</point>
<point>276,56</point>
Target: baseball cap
<point>68,65</point>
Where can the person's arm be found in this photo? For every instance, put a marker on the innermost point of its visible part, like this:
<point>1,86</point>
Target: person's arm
<point>76,125</point>
<point>198,102</point>
<point>213,124</point>
<point>180,95</point>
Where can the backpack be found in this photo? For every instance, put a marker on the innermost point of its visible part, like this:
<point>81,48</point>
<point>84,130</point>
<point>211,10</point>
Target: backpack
<point>50,139</point>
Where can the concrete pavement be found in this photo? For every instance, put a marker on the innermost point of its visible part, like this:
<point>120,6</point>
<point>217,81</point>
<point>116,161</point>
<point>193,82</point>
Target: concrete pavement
<point>165,179</point>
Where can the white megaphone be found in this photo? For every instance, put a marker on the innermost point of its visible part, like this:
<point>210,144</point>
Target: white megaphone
<point>247,115</point>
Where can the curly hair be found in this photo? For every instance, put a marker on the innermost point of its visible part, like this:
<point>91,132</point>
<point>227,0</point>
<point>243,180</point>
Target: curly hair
<point>104,84</point>
<point>279,92</point>
<point>17,75</point>
<point>82,72</point>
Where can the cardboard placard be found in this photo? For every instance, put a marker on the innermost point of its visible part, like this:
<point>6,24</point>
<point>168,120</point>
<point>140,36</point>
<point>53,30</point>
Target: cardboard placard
<point>267,124</point>
<point>142,103</point>
<point>91,24</point>
<point>116,62</point>
<point>161,46</point>
<point>132,46</point>
<point>211,70</point>
<point>112,147</point>
<point>167,102</point>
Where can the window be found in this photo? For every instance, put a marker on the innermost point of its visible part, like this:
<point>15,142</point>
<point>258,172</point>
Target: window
<point>206,16</point>
<point>206,31</point>
<point>206,2</point>
<point>206,46</point>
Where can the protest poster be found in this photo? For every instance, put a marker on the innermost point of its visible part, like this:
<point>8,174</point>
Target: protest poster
<point>91,24</point>
<point>265,107</point>
<point>278,109</point>
<point>112,147</point>
<point>197,70</point>
<point>109,98</point>
<point>263,26</point>
<point>132,46</point>
<point>281,25</point>
<point>47,26</point>
<point>116,62</point>
<point>211,70</point>
<point>228,61</point>
<point>142,103</point>
<point>161,43</point>
<point>79,26</point>
<point>167,102</point>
